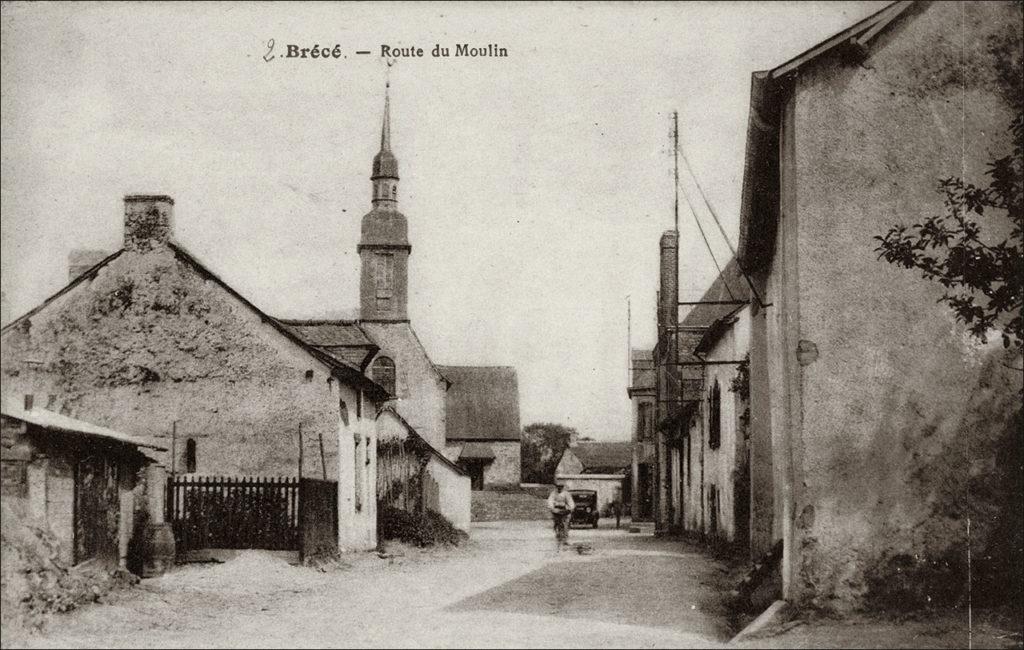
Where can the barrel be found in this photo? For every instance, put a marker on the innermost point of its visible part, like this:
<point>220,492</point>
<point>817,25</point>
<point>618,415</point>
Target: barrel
<point>159,550</point>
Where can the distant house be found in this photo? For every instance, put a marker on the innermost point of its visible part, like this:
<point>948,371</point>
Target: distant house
<point>150,340</point>
<point>642,396</point>
<point>596,458</point>
<point>74,477</point>
<point>483,434</point>
<point>599,466</point>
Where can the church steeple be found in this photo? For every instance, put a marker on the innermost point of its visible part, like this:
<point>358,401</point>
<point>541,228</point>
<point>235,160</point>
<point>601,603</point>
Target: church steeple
<point>385,165</point>
<point>384,245</point>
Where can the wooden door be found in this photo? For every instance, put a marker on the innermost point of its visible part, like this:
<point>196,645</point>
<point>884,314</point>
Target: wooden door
<point>97,509</point>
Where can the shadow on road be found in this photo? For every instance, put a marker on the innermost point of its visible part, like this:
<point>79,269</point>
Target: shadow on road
<point>649,586</point>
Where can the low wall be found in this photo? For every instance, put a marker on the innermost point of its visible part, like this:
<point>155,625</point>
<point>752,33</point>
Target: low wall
<point>604,484</point>
<point>447,492</point>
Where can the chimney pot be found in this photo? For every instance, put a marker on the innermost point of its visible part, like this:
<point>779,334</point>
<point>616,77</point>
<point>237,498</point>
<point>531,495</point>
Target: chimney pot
<point>148,221</point>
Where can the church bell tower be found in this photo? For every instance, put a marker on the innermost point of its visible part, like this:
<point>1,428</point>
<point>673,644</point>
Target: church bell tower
<point>384,242</point>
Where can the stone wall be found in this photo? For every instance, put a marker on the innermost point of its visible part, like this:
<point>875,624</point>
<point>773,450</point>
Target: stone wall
<point>149,343</point>
<point>893,417</point>
<point>506,468</point>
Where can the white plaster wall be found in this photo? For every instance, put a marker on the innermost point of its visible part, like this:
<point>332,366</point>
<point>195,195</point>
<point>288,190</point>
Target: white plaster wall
<point>454,500</point>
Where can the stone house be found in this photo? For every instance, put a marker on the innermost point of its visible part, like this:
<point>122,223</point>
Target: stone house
<point>889,425</point>
<point>76,479</point>
<point>483,424</point>
<point>150,340</point>
<point>642,396</point>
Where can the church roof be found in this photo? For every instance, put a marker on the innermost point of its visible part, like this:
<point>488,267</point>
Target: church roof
<point>482,403</point>
<point>342,339</point>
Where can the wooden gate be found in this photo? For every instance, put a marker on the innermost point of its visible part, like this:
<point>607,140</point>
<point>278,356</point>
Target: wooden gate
<point>234,512</point>
<point>96,509</point>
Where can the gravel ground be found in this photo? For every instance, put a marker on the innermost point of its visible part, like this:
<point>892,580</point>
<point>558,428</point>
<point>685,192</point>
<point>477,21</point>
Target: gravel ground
<point>507,588</point>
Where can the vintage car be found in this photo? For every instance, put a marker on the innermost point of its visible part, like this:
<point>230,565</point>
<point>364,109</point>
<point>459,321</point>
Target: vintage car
<point>586,512</point>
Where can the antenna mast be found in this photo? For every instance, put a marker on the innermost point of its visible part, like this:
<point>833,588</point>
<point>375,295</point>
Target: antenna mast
<point>675,160</point>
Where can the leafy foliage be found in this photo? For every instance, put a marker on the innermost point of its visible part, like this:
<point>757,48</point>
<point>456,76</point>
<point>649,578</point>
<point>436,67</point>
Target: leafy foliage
<point>983,279</point>
<point>542,447</point>
<point>740,385</point>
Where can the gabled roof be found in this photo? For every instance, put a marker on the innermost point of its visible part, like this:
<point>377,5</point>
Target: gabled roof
<point>476,451</point>
<point>55,421</point>
<point>482,403</point>
<point>88,275</point>
<point>768,91</point>
<point>596,456</point>
<point>420,440</point>
<point>641,371</point>
<point>342,369</point>
<point>729,285</point>
<point>342,339</point>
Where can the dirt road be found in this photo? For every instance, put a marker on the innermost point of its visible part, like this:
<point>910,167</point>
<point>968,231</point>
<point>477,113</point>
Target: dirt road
<point>506,588</point>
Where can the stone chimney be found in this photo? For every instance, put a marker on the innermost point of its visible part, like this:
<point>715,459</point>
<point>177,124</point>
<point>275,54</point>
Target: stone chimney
<point>81,260</point>
<point>668,285</point>
<point>148,221</point>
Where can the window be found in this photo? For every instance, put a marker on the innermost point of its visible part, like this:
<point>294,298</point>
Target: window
<point>358,477</point>
<point>644,421</point>
<point>383,372</point>
<point>190,455</point>
<point>715,417</point>
<point>384,277</point>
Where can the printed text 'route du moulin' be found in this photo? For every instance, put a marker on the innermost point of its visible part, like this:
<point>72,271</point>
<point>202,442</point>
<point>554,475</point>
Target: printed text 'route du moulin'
<point>440,51</point>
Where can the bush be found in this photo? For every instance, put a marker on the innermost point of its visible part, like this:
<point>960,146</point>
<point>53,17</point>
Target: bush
<point>421,530</point>
<point>36,584</point>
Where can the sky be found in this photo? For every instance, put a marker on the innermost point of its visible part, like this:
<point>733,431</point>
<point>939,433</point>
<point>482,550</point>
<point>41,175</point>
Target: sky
<point>536,185</point>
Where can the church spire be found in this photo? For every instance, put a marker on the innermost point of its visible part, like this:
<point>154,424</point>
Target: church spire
<point>384,242</point>
<point>385,128</point>
<point>385,165</point>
